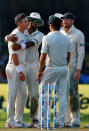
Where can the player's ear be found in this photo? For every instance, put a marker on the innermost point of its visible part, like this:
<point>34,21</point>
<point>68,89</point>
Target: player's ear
<point>51,26</point>
<point>18,23</point>
<point>72,21</point>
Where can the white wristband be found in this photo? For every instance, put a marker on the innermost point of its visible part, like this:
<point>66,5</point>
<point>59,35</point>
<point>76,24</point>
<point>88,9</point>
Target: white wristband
<point>19,68</point>
<point>6,37</point>
<point>23,46</point>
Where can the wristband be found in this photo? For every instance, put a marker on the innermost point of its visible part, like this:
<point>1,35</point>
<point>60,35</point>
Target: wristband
<point>6,37</point>
<point>18,68</point>
<point>23,46</point>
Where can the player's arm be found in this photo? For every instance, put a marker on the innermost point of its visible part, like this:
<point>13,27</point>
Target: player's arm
<point>41,65</point>
<point>68,51</point>
<point>44,51</point>
<point>28,44</point>
<point>11,38</point>
<point>68,57</point>
<point>80,50</point>
<point>18,67</point>
<point>17,46</point>
<point>80,40</point>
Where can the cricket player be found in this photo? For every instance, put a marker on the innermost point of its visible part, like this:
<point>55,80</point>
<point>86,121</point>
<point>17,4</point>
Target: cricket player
<point>16,75</point>
<point>58,15</point>
<point>32,58</point>
<point>57,47</point>
<point>76,61</point>
<point>32,62</point>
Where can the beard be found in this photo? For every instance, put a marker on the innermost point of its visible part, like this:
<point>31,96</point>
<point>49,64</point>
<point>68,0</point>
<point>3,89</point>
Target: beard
<point>33,27</point>
<point>66,26</point>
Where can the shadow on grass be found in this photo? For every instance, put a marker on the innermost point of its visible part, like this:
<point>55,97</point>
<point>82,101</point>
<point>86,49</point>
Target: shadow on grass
<point>27,118</point>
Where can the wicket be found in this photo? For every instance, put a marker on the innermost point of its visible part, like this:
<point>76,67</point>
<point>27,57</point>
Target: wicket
<point>48,107</point>
<point>42,108</point>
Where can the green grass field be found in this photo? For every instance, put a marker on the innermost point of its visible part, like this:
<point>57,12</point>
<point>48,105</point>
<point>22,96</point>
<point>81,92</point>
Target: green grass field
<point>83,89</point>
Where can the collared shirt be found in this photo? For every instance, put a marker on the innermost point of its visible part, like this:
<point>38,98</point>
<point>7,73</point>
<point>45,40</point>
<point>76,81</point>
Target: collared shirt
<point>22,38</point>
<point>56,45</point>
<point>32,52</point>
<point>77,46</point>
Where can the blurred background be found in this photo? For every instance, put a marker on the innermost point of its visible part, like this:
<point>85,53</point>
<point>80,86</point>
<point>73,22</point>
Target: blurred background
<point>10,8</point>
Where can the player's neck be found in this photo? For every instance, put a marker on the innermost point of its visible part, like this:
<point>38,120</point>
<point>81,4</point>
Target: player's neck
<point>20,29</point>
<point>53,30</point>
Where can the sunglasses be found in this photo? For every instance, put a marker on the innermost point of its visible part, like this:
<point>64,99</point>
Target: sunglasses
<point>34,20</point>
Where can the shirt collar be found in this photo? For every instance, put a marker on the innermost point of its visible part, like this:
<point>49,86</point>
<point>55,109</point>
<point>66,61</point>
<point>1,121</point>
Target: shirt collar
<point>71,29</point>
<point>20,31</point>
<point>34,33</point>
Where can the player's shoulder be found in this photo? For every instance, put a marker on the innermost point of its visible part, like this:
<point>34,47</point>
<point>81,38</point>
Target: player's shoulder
<point>78,32</point>
<point>15,31</point>
<point>47,36</point>
<point>40,33</point>
<point>50,34</point>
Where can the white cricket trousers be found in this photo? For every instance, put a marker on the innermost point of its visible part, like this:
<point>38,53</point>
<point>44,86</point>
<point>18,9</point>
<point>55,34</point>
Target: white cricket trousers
<point>73,117</point>
<point>31,75</point>
<point>16,94</point>
<point>53,75</point>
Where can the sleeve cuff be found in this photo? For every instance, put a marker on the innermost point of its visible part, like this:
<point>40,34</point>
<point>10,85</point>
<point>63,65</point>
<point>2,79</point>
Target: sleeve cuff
<point>6,38</point>
<point>35,41</point>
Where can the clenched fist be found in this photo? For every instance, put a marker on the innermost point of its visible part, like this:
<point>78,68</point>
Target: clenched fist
<point>22,76</point>
<point>39,75</point>
<point>13,38</point>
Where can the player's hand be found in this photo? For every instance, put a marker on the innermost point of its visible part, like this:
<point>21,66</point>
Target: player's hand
<point>77,75</point>
<point>16,46</point>
<point>12,38</point>
<point>39,75</point>
<point>22,76</point>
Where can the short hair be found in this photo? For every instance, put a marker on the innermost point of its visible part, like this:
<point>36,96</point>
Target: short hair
<point>19,18</point>
<point>56,23</point>
<point>57,26</point>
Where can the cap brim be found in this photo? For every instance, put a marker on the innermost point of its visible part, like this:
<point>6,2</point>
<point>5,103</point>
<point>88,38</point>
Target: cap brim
<point>65,17</point>
<point>40,21</point>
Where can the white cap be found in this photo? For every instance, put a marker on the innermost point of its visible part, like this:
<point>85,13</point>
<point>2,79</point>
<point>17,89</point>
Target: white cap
<point>35,15</point>
<point>58,15</point>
